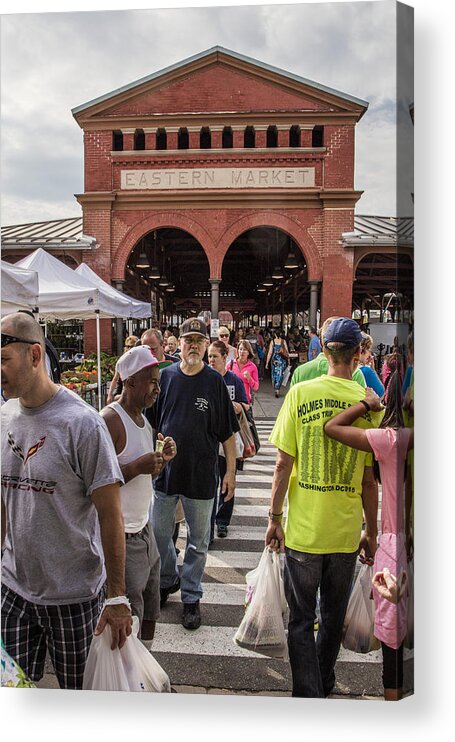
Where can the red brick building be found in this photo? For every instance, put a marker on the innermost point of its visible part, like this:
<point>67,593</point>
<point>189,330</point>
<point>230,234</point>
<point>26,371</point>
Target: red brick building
<point>217,170</point>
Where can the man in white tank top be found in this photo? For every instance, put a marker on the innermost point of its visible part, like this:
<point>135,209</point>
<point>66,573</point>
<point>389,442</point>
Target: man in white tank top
<point>133,441</point>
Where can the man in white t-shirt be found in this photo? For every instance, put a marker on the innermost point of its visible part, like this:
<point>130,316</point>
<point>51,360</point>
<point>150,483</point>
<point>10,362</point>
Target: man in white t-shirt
<point>133,441</point>
<point>62,525</point>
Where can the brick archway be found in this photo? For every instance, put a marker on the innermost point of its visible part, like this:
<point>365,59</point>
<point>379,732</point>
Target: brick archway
<point>300,236</point>
<point>157,221</point>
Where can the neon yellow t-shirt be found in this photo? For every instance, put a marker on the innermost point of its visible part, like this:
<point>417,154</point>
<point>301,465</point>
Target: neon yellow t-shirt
<point>325,487</point>
<point>319,366</point>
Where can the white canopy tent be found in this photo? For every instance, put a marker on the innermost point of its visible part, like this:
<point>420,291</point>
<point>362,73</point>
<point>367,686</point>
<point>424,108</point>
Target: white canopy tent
<point>138,309</point>
<point>64,294</point>
<point>19,288</point>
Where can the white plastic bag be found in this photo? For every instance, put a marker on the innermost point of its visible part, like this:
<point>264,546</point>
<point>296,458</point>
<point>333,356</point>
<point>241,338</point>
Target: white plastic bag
<point>358,625</point>
<point>286,375</point>
<point>262,627</point>
<point>409,639</point>
<point>131,668</point>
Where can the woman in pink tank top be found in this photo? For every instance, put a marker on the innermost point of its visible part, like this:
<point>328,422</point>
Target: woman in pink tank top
<point>390,444</point>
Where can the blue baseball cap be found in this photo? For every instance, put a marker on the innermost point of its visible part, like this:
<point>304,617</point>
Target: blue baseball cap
<point>343,330</point>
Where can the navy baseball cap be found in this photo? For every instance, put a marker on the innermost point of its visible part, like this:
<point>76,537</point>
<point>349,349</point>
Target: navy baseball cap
<point>193,326</point>
<point>345,331</point>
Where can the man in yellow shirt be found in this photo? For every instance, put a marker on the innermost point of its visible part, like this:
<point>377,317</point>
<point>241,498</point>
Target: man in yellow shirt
<point>327,485</point>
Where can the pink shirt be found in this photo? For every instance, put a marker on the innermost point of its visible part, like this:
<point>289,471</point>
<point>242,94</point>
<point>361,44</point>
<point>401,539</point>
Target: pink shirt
<point>390,449</point>
<point>249,385</point>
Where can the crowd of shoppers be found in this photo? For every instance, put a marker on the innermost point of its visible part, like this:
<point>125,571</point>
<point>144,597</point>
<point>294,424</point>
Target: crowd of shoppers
<point>114,487</point>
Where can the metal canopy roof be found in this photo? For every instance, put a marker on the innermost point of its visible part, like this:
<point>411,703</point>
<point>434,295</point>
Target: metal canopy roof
<point>225,52</point>
<point>59,233</point>
<point>380,230</point>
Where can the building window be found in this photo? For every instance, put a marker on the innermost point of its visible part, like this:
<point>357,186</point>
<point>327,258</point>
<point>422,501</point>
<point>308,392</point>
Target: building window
<point>139,139</point>
<point>183,139</point>
<point>161,139</point>
<point>227,139</point>
<point>272,136</point>
<point>317,138</point>
<point>117,141</point>
<point>249,137</point>
<point>205,138</point>
<point>294,136</point>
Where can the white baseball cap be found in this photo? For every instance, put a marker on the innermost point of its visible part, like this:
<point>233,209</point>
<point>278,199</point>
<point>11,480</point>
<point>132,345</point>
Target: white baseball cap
<point>135,360</point>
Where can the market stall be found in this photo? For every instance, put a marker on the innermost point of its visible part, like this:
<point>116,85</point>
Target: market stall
<point>64,294</point>
<point>20,288</point>
<point>138,309</point>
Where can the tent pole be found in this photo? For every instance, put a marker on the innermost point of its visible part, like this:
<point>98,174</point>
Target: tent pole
<point>98,352</point>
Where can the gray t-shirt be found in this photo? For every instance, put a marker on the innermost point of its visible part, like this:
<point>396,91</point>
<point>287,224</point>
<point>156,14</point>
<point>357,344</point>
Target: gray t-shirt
<point>53,458</point>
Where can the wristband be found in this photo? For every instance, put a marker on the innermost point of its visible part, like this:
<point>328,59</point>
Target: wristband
<point>366,405</point>
<point>275,517</point>
<point>118,600</point>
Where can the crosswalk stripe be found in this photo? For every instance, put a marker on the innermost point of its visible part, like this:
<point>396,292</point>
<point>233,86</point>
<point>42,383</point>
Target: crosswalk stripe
<point>218,641</point>
<point>224,584</point>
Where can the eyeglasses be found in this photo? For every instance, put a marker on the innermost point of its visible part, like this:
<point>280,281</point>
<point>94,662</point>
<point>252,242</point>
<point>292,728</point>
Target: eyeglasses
<point>192,341</point>
<point>223,335</point>
<point>8,339</point>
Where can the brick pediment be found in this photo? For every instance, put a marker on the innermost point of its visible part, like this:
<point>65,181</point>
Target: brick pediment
<point>216,89</point>
<point>215,82</point>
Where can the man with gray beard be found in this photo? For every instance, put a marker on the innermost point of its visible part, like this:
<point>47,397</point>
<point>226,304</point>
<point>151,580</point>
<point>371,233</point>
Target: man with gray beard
<point>195,410</point>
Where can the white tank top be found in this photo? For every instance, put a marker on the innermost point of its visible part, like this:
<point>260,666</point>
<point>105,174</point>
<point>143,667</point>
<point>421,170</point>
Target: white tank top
<point>137,493</point>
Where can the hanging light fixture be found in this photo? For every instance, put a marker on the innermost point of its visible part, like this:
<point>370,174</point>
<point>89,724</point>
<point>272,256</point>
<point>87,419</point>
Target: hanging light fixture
<point>154,273</point>
<point>171,286</point>
<point>291,261</point>
<point>142,261</point>
<point>163,282</point>
<point>277,272</point>
<point>268,280</point>
<point>261,288</point>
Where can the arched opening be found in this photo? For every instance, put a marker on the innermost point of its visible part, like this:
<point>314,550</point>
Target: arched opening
<point>258,280</point>
<point>227,139</point>
<point>139,139</point>
<point>317,136</point>
<point>205,141</point>
<point>272,136</point>
<point>117,141</point>
<point>249,140</point>
<point>183,139</point>
<point>294,136</point>
<point>180,286</point>
<point>161,139</point>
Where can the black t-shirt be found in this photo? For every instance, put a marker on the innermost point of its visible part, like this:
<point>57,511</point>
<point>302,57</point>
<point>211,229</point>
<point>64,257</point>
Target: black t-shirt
<point>198,413</point>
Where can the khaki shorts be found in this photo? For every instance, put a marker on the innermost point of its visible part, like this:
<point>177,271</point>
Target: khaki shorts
<point>142,574</point>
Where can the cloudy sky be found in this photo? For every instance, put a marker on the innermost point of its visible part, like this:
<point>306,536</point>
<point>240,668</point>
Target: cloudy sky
<point>53,62</point>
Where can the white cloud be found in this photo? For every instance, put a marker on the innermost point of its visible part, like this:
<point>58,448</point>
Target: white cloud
<point>53,62</point>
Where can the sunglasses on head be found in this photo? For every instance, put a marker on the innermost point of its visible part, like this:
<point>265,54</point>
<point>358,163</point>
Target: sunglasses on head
<point>8,339</point>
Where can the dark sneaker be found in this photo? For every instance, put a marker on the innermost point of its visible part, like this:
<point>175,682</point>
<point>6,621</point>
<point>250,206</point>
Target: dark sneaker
<point>166,591</point>
<point>221,531</point>
<point>191,618</point>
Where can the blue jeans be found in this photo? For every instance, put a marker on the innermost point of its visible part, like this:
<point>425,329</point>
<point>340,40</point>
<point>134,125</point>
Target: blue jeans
<point>197,516</point>
<point>313,662</point>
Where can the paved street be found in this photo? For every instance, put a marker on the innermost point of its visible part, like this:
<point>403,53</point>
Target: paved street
<point>207,660</point>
